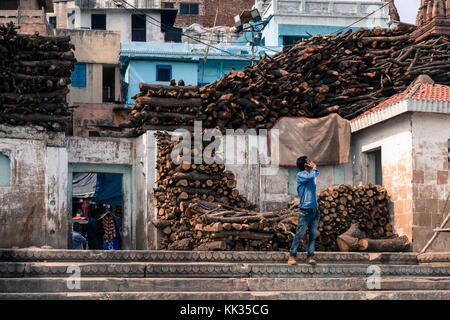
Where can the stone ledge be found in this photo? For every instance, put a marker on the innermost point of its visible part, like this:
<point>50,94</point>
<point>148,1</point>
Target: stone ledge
<point>115,284</point>
<point>220,270</point>
<point>434,257</point>
<point>237,295</point>
<point>199,256</point>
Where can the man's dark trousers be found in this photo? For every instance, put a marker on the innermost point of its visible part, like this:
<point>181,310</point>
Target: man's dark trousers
<point>307,220</point>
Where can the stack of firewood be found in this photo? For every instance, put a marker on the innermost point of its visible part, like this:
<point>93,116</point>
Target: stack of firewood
<point>178,185</point>
<point>200,208</point>
<point>345,74</point>
<point>161,105</point>
<point>34,74</point>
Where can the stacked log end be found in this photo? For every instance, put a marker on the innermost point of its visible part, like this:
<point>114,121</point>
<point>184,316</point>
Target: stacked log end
<point>179,184</point>
<point>343,205</point>
<point>164,106</point>
<point>35,72</point>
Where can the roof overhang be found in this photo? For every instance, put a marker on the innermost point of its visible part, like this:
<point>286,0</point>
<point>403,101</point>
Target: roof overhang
<point>398,108</point>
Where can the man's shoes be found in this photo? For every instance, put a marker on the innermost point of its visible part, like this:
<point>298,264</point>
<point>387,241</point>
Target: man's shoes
<point>292,260</point>
<point>311,261</point>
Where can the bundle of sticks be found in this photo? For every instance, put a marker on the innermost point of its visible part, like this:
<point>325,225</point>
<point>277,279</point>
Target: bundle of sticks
<point>346,74</point>
<point>35,72</point>
<point>200,208</point>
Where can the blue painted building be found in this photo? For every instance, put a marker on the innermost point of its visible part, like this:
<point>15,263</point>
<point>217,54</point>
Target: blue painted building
<point>153,62</point>
<point>292,20</point>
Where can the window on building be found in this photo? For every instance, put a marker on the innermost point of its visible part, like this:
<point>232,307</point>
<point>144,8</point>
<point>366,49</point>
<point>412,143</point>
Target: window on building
<point>374,168</point>
<point>163,73</point>
<point>9,4</point>
<point>79,75</point>
<point>98,22</point>
<point>173,35</point>
<point>5,171</point>
<point>138,27</point>
<point>169,5</point>
<point>189,8</point>
<point>109,79</point>
<point>291,40</point>
<point>52,21</point>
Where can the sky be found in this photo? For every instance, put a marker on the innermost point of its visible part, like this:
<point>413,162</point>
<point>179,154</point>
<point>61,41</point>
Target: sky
<point>407,9</point>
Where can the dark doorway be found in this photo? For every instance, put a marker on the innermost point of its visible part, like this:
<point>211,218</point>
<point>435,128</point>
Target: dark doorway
<point>375,171</point>
<point>109,79</point>
<point>97,211</point>
<point>138,27</point>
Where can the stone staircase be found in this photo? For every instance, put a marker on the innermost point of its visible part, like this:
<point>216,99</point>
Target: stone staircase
<point>173,275</point>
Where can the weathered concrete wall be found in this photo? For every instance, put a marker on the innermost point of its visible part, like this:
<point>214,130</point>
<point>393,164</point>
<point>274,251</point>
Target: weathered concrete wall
<point>140,173</point>
<point>33,209</point>
<point>100,150</point>
<point>394,138</point>
<point>94,46</point>
<point>430,178</point>
<point>88,116</point>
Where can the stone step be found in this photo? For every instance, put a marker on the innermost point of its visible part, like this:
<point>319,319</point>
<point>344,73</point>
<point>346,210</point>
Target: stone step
<point>235,295</point>
<point>54,285</point>
<point>221,270</point>
<point>30,255</point>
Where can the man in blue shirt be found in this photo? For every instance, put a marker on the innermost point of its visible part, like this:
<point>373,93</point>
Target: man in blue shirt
<point>308,216</point>
<point>77,239</point>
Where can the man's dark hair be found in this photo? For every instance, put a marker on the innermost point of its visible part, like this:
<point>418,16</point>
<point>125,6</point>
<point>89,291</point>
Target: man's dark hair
<point>301,163</point>
<point>76,227</point>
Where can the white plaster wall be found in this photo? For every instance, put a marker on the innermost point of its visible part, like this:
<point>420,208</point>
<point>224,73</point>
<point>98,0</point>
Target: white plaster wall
<point>119,20</point>
<point>394,137</point>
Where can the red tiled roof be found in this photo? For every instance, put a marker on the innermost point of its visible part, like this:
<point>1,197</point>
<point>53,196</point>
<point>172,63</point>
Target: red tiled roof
<point>424,92</point>
<point>432,92</point>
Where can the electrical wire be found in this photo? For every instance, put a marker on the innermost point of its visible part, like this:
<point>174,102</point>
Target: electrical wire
<point>265,47</point>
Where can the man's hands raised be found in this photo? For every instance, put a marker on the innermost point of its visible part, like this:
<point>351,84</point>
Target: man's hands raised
<point>310,164</point>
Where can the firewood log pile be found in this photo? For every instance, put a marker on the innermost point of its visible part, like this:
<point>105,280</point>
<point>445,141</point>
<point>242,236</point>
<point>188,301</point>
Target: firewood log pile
<point>160,105</point>
<point>345,74</point>
<point>34,74</point>
<point>356,240</point>
<point>177,185</point>
<point>200,208</point>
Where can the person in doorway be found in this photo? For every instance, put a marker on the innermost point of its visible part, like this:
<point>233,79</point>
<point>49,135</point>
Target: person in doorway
<point>308,216</point>
<point>94,232</point>
<point>77,239</point>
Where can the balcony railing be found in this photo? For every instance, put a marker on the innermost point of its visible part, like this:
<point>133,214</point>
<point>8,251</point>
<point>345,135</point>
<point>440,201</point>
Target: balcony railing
<point>108,4</point>
<point>326,8</point>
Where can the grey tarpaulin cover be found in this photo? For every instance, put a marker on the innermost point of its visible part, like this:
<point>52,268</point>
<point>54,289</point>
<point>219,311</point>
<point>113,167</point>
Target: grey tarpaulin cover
<point>83,185</point>
<point>326,140</point>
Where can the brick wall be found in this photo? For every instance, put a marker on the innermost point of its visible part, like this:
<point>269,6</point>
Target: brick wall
<point>207,12</point>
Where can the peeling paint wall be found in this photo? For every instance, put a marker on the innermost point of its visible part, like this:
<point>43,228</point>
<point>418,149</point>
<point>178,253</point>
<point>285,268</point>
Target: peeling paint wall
<point>33,208</point>
<point>100,150</point>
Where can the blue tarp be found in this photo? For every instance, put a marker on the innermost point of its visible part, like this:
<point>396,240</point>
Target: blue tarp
<point>105,188</point>
<point>109,189</point>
